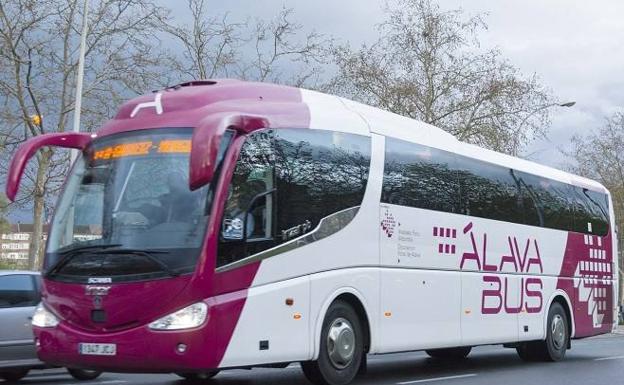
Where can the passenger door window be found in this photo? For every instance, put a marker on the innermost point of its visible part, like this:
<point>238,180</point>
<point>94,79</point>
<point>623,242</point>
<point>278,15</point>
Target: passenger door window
<point>18,290</point>
<point>289,183</point>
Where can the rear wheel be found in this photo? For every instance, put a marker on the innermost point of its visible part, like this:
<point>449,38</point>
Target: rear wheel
<point>14,375</point>
<point>83,374</point>
<point>197,377</point>
<point>554,347</point>
<point>450,353</point>
<point>341,348</point>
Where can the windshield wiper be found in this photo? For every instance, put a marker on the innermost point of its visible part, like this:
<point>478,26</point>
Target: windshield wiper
<point>71,252</point>
<point>147,253</point>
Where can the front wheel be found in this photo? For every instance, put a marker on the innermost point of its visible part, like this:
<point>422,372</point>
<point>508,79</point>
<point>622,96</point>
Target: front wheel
<point>450,353</point>
<point>14,375</point>
<point>341,348</point>
<point>83,374</point>
<point>201,376</point>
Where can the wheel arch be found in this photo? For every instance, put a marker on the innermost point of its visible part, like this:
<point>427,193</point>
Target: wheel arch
<point>562,298</point>
<point>354,298</point>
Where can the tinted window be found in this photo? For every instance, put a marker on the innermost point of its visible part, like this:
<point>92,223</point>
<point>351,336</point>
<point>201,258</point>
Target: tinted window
<point>552,201</point>
<point>285,183</point>
<point>420,176</point>
<point>318,173</point>
<point>590,211</point>
<point>424,177</point>
<point>489,191</point>
<point>17,291</point>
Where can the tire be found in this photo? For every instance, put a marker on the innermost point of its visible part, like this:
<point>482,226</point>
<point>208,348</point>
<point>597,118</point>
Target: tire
<point>451,354</point>
<point>338,366</point>
<point>198,377</point>
<point>83,374</point>
<point>554,347</point>
<point>14,375</point>
<point>526,351</point>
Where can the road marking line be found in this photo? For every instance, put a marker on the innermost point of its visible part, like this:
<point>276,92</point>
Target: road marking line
<point>111,382</point>
<point>103,382</point>
<point>609,358</point>
<point>437,379</point>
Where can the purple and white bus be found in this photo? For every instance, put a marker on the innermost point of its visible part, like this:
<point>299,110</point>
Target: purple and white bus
<point>227,224</point>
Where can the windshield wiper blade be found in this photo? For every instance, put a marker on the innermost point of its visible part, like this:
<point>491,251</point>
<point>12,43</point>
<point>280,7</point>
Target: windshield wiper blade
<point>70,253</point>
<point>88,248</point>
<point>147,253</point>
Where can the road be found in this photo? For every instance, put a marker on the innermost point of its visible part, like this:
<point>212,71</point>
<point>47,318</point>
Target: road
<point>598,360</point>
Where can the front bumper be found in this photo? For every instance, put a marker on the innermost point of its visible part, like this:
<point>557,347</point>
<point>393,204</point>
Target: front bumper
<point>138,350</point>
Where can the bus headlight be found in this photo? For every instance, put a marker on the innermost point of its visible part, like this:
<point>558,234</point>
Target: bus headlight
<point>189,317</point>
<point>43,318</point>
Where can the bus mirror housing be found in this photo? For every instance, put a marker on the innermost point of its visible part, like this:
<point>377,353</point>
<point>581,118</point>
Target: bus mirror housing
<point>75,140</point>
<point>207,139</point>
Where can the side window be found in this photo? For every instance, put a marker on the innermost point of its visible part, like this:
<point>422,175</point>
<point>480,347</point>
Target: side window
<point>246,207</point>
<point>420,176</point>
<point>428,178</point>
<point>528,204</point>
<point>553,200</point>
<point>17,291</point>
<point>489,191</point>
<point>591,211</point>
<point>289,183</point>
<point>318,173</point>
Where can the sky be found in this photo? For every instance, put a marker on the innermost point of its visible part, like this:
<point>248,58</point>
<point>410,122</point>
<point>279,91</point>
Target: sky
<point>576,47</point>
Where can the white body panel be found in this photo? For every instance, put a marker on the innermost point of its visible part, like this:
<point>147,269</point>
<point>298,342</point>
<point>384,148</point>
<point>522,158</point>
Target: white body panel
<point>415,291</point>
<point>266,318</point>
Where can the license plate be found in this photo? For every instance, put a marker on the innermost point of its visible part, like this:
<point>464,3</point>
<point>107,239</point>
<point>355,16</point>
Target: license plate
<point>97,349</point>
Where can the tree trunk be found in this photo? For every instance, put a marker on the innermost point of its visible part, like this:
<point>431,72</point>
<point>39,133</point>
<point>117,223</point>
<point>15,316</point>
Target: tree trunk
<point>36,240</point>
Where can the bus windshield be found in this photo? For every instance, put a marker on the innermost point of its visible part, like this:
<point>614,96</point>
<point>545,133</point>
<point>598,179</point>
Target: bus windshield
<point>127,211</point>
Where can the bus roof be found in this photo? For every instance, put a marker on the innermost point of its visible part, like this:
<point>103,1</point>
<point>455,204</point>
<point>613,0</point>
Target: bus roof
<point>189,104</point>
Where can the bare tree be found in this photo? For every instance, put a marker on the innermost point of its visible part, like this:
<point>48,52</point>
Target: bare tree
<point>427,64</point>
<point>4,222</point>
<point>275,50</point>
<point>600,156</point>
<point>38,60</point>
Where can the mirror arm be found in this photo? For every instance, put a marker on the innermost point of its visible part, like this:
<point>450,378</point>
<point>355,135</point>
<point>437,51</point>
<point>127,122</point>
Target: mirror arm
<point>75,140</point>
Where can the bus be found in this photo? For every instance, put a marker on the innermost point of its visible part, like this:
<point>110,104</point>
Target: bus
<point>222,224</point>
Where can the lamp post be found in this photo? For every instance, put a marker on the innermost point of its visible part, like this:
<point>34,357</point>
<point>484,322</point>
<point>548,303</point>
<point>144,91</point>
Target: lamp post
<point>542,108</point>
<point>80,74</point>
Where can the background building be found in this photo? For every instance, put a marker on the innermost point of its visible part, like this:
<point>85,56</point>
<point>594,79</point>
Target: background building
<point>15,245</point>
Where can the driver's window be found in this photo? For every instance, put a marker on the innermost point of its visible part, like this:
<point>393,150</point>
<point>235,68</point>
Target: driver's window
<point>247,207</point>
<point>249,203</point>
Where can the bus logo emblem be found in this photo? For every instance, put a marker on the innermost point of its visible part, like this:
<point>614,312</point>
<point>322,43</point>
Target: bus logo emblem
<point>156,104</point>
<point>100,280</point>
<point>97,291</point>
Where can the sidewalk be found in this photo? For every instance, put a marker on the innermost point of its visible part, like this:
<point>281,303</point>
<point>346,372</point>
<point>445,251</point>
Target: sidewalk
<point>619,330</point>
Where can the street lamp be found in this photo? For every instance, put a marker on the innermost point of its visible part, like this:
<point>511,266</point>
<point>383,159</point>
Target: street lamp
<point>80,74</point>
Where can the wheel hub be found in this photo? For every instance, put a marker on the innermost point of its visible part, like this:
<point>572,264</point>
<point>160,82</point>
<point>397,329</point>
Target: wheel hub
<point>558,333</point>
<point>340,343</point>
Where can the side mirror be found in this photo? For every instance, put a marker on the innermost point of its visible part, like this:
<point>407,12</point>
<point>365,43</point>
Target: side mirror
<point>207,139</point>
<point>251,206</point>
<point>75,140</point>
<point>241,223</point>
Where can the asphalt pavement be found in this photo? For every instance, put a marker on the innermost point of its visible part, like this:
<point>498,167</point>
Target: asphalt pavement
<point>597,360</point>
